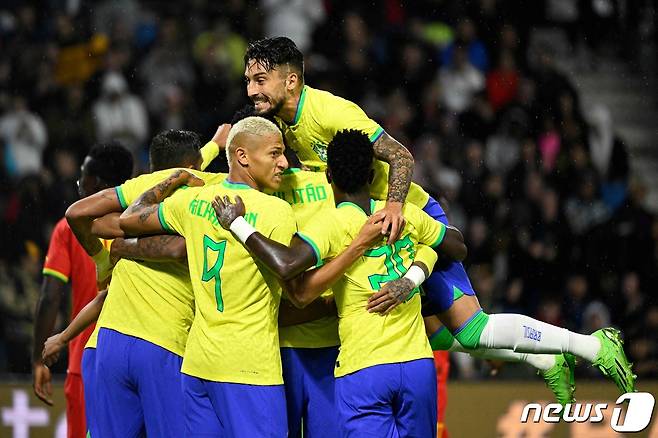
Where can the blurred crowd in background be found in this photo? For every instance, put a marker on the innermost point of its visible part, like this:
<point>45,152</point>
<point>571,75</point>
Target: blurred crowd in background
<point>541,189</point>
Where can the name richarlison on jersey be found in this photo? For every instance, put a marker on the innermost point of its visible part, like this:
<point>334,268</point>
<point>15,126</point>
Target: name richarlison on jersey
<point>201,208</point>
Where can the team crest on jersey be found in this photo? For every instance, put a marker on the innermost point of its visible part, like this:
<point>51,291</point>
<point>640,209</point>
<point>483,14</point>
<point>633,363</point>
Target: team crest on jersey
<point>321,150</point>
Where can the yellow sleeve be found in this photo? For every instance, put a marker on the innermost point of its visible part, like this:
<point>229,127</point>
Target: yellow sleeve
<point>209,152</point>
<point>285,225</point>
<point>318,233</point>
<point>172,211</point>
<point>344,114</point>
<point>129,191</point>
<point>427,256</point>
<point>430,231</point>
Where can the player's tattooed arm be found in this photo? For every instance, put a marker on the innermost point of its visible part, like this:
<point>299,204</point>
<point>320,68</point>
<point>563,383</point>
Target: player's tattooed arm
<point>141,217</point>
<point>81,215</point>
<point>162,248</point>
<point>401,163</point>
<point>393,293</point>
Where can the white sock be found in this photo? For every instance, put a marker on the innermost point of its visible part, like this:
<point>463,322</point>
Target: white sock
<point>542,362</point>
<point>527,335</point>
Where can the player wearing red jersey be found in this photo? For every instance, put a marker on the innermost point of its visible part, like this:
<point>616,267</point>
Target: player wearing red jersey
<point>107,165</point>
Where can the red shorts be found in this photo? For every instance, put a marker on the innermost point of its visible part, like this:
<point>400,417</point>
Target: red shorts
<point>442,364</point>
<point>75,406</point>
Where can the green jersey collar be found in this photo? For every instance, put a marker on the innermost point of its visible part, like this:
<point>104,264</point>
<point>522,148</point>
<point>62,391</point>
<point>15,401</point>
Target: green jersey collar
<point>300,106</point>
<point>352,204</point>
<point>235,185</point>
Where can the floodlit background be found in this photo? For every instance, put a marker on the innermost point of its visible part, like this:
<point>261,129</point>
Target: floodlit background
<point>534,122</point>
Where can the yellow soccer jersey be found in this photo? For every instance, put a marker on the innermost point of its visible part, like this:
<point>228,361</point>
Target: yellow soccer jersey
<point>208,153</point>
<point>151,300</point>
<point>369,339</point>
<point>93,338</point>
<point>320,115</point>
<point>234,337</point>
<point>307,193</point>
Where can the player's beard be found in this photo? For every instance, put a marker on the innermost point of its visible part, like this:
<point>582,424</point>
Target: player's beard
<point>273,110</point>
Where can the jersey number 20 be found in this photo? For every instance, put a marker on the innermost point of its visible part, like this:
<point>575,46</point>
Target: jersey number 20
<point>211,246</point>
<point>392,261</point>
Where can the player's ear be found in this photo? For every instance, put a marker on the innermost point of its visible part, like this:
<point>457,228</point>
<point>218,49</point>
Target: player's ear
<point>241,156</point>
<point>291,81</point>
<point>328,175</point>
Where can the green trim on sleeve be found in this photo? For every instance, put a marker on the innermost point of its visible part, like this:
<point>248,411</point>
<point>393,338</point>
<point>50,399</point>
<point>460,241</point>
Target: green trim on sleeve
<point>122,198</point>
<point>57,275</point>
<point>375,135</point>
<point>161,218</point>
<point>439,239</point>
<point>315,248</point>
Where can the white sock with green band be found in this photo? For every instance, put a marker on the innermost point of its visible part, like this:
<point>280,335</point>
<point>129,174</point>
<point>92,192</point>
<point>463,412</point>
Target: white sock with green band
<point>542,362</point>
<point>527,335</point>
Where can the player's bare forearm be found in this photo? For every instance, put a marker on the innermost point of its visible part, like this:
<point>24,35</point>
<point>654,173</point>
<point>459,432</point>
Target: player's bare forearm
<point>81,215</point>
<point>141,217</point>
<point>308,286</point>
<point>50,298</point>
<point>320,308</point>
<point>285,262</point>
<point>87,316</point>
<point>161,248</point>
<point>107,227</point>
<point>401,164</point>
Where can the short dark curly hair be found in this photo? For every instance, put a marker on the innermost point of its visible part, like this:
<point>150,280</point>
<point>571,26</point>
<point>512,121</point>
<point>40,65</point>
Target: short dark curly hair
<point>271,52</point>
<point>174,148</point>
<point>110,162</point>
<point>349,157</point>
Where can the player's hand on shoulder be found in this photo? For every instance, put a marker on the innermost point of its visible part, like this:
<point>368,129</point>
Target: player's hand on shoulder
<point>393,222</point>
<point>391,295</point>
<point>371,232</point>
<point>227,211</point>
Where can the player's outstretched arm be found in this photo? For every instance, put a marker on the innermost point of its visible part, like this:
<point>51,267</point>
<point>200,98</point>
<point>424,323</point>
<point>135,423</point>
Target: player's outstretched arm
<point>141,217</point>
<point>401,164</point>
<point>82,214</point>
<point>290,314</point>
<point>163,248</point>
<point>309,285</point>
<point>395,292</point>
<point>88,315</point>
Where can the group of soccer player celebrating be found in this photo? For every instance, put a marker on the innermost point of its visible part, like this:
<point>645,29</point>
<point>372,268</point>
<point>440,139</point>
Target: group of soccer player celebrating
<point>275,301</point>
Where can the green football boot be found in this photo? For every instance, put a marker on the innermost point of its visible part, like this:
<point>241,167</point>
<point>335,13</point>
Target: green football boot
<point>612,360</point>
<point>560,378</point>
